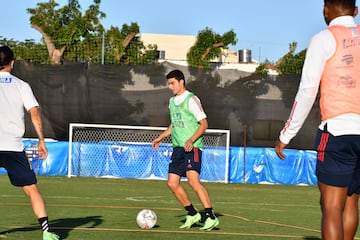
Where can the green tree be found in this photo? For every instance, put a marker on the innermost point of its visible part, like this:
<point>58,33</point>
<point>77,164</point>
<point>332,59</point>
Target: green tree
<point>27,50</point>
<point>62,27</point>
<point>262,70</point>
<point>118,39</point>
<point>290,63</point>
<point>208,46</point>
<point>124,46</point>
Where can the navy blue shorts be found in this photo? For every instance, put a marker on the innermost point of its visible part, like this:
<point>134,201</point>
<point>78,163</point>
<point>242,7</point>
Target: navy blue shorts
<point>18,168</point>
<point>182,161</point>
<point>338,160</point>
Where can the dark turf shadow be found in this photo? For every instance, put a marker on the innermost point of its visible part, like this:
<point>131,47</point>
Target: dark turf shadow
<point>61,226</point>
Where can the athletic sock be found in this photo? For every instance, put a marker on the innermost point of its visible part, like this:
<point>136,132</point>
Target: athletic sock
<point>209,212</point>
<point>190,210</point>
<point>44,223</point>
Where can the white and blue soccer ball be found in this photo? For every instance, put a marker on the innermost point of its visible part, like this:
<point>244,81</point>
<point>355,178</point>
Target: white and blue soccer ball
<point>146,218</point>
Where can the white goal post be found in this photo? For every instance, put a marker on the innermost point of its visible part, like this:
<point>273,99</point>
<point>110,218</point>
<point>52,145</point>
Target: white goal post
<point>101,150</point>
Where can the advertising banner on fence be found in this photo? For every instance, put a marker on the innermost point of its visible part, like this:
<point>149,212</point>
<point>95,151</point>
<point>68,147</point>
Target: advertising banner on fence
<point>121,160</point>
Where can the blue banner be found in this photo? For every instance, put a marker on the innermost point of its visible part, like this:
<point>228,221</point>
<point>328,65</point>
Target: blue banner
<point>262,165</point>
<point>122,160</point>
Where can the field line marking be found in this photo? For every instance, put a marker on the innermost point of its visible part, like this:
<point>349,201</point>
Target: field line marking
<point>114,207</point>
<point>91,206</point>
<point>288,226</point>
<point>169,231</point>
<point>235,216</point>
<point>173,209</point>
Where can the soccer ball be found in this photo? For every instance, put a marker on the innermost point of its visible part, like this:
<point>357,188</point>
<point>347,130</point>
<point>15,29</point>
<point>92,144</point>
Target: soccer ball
<point>146,218</point>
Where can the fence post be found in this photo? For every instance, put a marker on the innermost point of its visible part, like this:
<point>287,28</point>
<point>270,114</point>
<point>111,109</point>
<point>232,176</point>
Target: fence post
<point>244,163</point>
<point>103,49</point>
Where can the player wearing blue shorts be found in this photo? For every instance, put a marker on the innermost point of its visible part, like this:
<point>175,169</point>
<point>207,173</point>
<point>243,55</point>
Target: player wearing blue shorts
<point>15,95</point>
<point>188,123</point>
<point>333,63</point>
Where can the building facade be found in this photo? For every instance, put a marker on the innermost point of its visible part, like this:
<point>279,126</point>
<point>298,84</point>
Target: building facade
<point>175,47</point>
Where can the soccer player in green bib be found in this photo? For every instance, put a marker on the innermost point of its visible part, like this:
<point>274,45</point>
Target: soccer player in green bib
<point>188,123</point>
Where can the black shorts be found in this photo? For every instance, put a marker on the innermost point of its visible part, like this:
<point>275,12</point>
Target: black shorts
<point>182,161</point>
<point>18,168</point>
<point>338,160</point>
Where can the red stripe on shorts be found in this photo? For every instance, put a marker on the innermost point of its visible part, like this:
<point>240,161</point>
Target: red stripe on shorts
<point>322,146</point>
<point>196,155</point>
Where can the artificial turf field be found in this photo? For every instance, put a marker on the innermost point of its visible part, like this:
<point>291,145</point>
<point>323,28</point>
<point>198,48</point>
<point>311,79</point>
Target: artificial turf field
<point>105,209</point>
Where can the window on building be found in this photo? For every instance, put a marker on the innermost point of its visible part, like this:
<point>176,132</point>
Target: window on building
<point>161,54</point>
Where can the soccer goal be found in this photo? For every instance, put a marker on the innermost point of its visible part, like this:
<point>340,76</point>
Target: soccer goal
<point>99,150</point>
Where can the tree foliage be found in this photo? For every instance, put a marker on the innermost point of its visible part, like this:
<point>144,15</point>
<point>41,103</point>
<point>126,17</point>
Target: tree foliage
<point>67,24</point>
<point>262,70</point>
<point>289,64</point>
<point>27,50</point>
<point>292,64</point>
<point>208,46</point>
<point>125,46</point>
<point>71,35</point>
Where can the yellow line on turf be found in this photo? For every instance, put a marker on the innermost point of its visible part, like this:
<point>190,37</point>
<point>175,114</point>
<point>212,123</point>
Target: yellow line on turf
<point>173,209</point>
<point>169,231</point>
<point>90,206</point>
<point>234,216</point>
<point>291,226</point>
<point>288,226</point>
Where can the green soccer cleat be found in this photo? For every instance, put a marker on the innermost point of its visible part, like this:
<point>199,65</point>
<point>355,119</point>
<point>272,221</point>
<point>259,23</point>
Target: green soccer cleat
<point>190,220</point>
<point>210,224</point>
<point>50,236</point>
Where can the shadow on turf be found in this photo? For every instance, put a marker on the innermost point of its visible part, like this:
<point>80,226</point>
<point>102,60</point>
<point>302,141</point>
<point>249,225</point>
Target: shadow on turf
<point>312,238</point>
<point>61,226</point>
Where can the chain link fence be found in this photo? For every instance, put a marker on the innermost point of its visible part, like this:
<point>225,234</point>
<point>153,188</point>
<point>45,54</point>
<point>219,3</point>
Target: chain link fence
<point>95,50</point>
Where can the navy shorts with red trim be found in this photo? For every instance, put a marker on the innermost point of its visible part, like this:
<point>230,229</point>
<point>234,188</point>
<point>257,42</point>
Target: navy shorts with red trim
<point>182,161</point>
<point>18,168</point>
<point>338,160</point>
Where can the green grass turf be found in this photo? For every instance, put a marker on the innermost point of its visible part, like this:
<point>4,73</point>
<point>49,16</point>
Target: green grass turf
<point>93,209</point>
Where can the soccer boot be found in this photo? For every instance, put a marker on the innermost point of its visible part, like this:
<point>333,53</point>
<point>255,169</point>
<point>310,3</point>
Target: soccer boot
<point>210,224</point>
<point>190,220</point>
<point>50,236</point>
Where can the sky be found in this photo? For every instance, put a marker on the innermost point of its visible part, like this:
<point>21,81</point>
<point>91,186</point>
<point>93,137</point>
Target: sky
<point>266,27</point>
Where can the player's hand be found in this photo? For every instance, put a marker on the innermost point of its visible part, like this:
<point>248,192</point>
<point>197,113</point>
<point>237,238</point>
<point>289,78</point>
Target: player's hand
<point>155,143</point>
<point>188,146</point>
<point>42,150</point>
<point>279,147</point>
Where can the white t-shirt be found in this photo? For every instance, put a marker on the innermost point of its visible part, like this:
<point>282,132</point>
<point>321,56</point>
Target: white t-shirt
<point>15,95</point>
<point>195,106</point>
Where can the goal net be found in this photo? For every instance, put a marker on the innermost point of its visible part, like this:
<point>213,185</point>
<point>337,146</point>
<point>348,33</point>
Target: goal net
<point>98,150</point>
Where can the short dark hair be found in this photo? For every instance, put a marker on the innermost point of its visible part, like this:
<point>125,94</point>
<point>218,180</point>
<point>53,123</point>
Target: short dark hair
<point>177,74</point>
<point>346,4</point>
<point>6,56</point>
